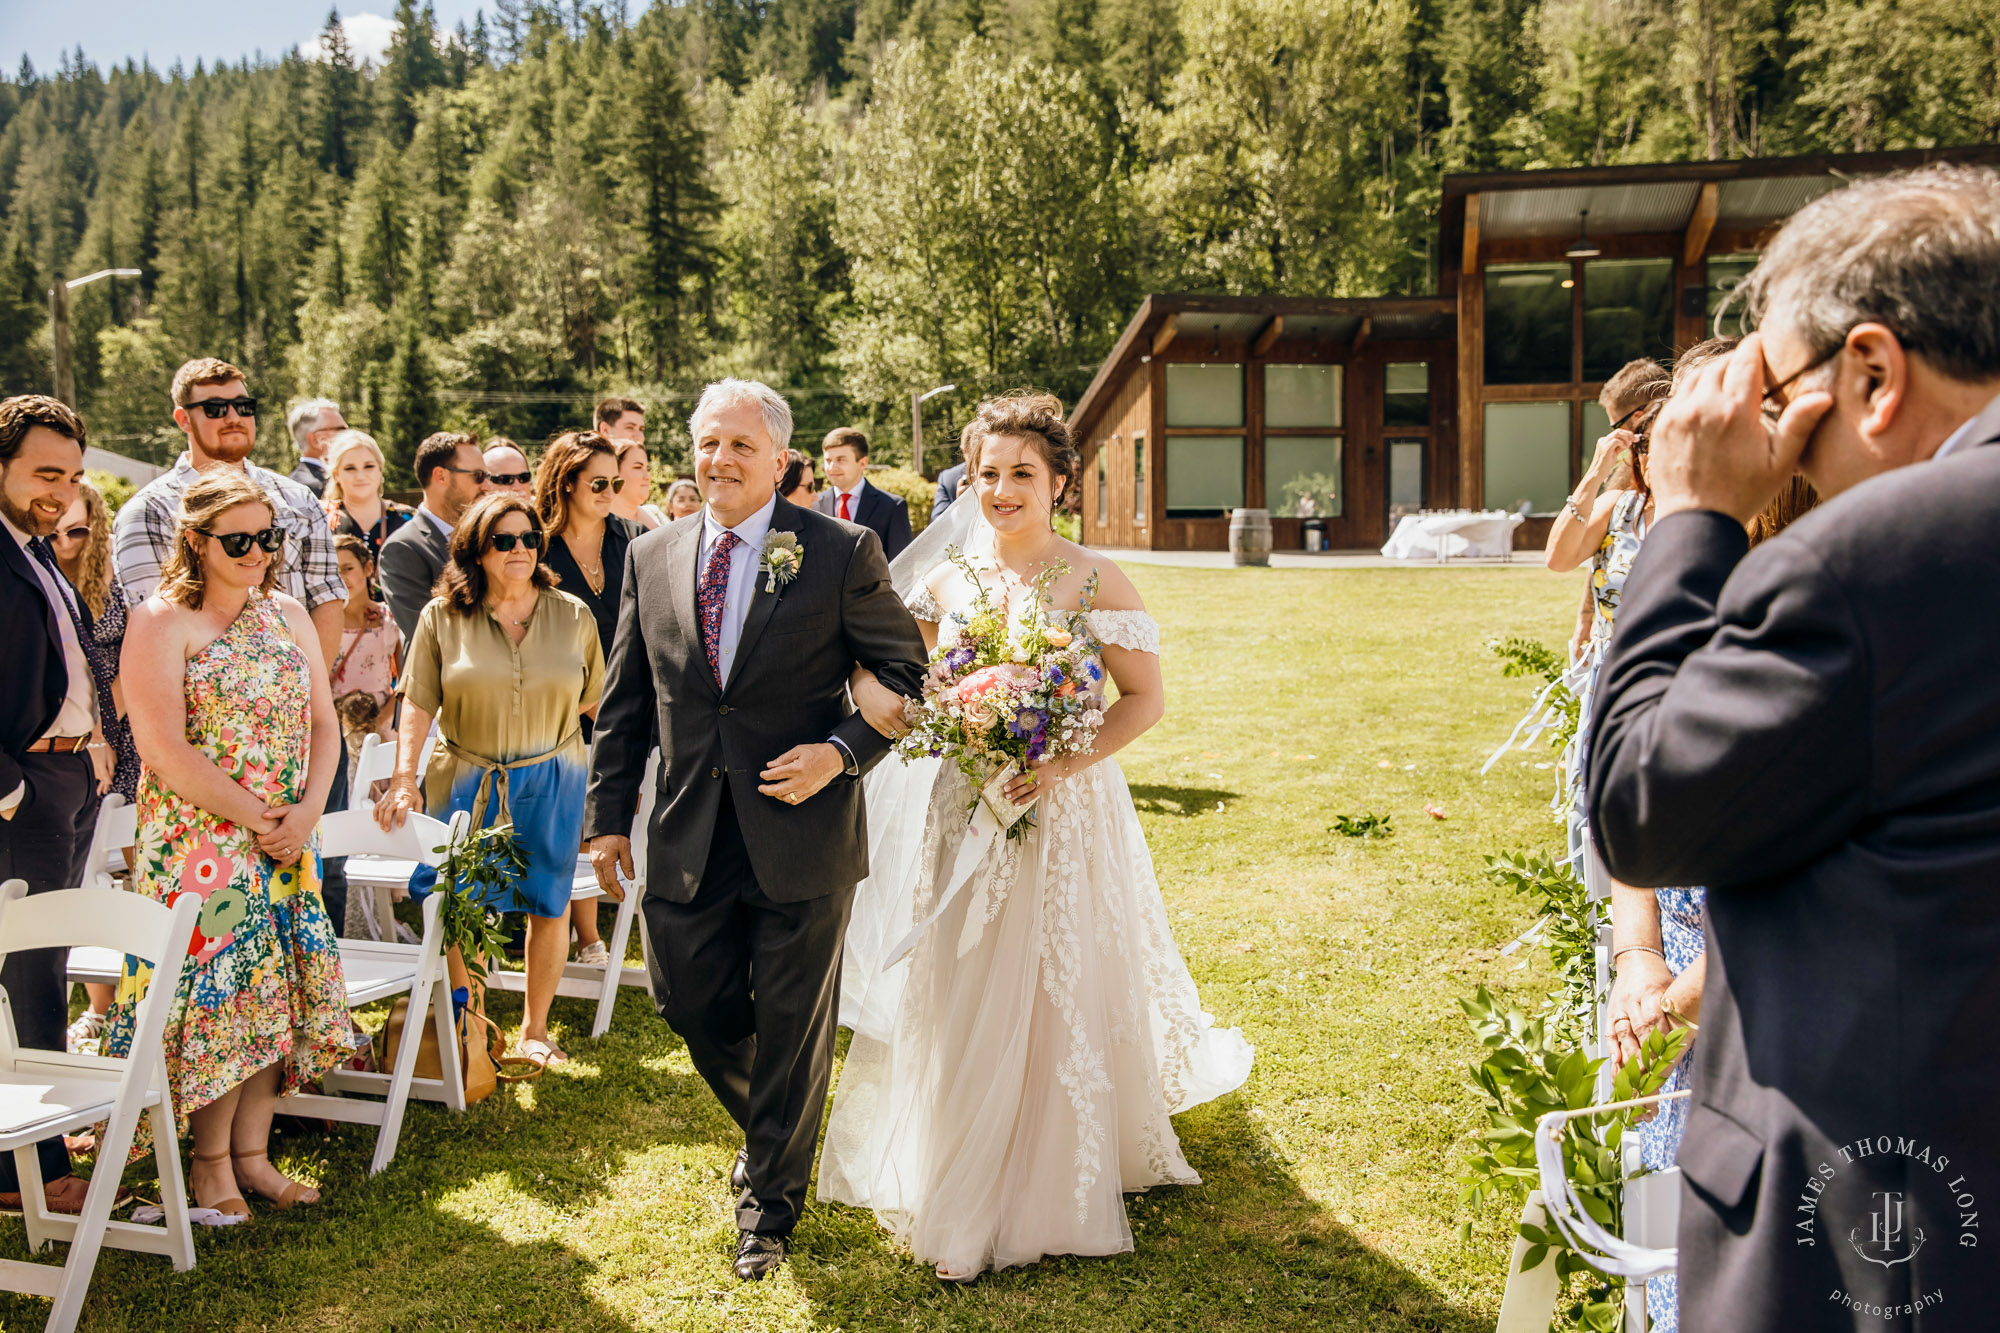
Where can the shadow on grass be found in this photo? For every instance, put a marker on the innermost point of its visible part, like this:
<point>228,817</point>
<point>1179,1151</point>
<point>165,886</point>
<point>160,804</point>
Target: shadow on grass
<point>1186,802</point>
<point>1245,1250</point>
<point>454,1234</point>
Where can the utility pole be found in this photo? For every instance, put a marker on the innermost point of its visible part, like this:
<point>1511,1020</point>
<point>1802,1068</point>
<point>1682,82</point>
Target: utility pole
<point>59,333</point>
<point>917,401</point>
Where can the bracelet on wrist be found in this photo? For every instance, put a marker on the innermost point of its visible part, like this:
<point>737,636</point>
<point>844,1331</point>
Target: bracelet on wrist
<point>1637,948</point>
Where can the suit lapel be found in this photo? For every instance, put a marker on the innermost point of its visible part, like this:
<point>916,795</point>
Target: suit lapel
<point>824,502</point>
<point>784,518</point>
<point>683,555</point>
<point>20,562</point>
<point>864,505</point>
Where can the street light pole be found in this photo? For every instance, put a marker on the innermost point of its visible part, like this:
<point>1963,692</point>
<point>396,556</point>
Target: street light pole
<point>59,325</point>
<point>917,401</point>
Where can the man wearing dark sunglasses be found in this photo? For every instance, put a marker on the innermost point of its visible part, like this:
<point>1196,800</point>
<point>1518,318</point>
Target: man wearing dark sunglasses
<point>217,413</point>
<point>454,475</point>
<point>1812,730</point>
<point>507,467</point>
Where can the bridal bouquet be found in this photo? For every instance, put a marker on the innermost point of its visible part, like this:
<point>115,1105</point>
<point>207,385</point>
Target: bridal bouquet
<point>1002,695</point>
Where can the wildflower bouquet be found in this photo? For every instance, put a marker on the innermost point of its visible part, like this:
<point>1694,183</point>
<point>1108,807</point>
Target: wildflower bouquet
<point>1002,695</point>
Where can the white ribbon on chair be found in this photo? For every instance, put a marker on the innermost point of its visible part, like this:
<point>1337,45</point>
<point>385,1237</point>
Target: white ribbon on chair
<point>1615,1256</point>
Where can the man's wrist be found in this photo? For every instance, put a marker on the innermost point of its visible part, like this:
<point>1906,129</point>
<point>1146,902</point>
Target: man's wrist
<point>848,765</point>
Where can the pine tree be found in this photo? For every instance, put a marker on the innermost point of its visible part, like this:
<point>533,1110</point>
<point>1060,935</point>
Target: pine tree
<point>339,98</point>
<point>408,408</point>
<point>664,152</point>
<point>23,309</point>
<point>412,67</point>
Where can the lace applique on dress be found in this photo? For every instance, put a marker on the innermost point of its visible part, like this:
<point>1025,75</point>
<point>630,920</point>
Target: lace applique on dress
<point>1135,631</point>
<point>925,607</point>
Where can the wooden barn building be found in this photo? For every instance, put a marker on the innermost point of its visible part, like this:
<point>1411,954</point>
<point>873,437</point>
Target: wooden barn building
<point>1481,397</point>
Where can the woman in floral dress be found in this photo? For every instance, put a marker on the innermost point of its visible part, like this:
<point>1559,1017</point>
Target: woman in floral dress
<point>239,745</point>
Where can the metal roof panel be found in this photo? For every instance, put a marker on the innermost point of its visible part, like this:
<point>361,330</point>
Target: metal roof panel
<point>1615,210</point>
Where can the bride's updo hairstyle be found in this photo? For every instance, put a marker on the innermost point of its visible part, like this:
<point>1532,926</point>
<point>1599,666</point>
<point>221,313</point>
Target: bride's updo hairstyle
<point>1034,417</point>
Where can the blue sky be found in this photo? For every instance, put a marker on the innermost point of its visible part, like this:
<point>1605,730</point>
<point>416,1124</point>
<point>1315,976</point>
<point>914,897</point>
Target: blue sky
<point>166,30</point>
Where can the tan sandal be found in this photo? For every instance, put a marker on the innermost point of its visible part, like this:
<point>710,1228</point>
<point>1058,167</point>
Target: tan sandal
<point>287,1198</point>
<point>229,1216</point>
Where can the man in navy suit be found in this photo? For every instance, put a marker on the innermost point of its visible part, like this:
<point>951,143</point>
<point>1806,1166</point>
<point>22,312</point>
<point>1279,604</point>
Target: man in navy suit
<point>54,764</point>
<point>949,481</point>
<point>849,496</point>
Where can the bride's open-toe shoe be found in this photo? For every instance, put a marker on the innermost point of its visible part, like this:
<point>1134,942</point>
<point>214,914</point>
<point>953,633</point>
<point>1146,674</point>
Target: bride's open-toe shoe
<point>229,1212</point>
<point>964,1277</point>
<point>294,1193</point>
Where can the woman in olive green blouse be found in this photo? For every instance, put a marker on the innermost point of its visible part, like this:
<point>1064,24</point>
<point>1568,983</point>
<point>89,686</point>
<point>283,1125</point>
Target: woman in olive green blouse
<point>509,667</point>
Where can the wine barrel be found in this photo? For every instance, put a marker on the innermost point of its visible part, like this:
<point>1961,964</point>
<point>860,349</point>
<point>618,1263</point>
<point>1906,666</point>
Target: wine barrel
<point>1250,536</point>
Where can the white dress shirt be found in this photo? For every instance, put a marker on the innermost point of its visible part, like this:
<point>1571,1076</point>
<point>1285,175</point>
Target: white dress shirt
<point>853,501</point>
<point>431,514</point>
<point>78,714</point>
<point>1977,431</point>
<point>750,534</point>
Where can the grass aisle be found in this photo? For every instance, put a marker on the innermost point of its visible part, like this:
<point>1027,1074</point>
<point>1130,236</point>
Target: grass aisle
<point>595,1199</point>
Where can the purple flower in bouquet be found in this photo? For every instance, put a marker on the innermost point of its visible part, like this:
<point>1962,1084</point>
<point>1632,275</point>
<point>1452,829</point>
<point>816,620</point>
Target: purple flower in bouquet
<point>1026,722</point>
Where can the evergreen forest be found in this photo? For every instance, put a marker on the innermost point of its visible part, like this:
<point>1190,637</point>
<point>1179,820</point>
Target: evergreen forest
<point>849,198</point>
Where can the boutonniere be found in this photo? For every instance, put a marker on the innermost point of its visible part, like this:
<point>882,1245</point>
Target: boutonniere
<point>781,560</point>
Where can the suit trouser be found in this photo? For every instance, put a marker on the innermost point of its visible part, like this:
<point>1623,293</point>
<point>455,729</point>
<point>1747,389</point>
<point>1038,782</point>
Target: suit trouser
<point>753,987</point>
<point>46,843</point>
<point>333,870</point>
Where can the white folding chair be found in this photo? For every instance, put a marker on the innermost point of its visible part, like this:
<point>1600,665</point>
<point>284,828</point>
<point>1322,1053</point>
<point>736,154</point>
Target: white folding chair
<point>379,970</point>
<point>379,875</point>
<point>45,1093</point>
<point>588,981</point>
<point>117,829</point>
<point>1648,1248</point>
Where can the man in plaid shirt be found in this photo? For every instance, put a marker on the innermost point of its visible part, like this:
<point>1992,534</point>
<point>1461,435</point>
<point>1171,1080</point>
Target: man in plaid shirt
<point>214,409</point>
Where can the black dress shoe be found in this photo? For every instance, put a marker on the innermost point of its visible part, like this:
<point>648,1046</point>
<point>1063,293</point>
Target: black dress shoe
<point>739,1175</point>
<point>757,1255</point>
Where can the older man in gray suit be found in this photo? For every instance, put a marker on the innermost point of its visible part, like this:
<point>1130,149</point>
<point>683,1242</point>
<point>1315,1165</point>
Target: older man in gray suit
<point>1813,731</point>
<point>737,632</point>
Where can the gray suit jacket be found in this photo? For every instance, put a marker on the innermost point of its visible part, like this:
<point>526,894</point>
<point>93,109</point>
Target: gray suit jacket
<point>408,569</point>
<point>1813,732</point>
<point>310,477</point>
<point>788,687</point>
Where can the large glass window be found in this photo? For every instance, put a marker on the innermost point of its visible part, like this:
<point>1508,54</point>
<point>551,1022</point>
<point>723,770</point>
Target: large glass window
<point>1628,313</point>
<point>1204,475</point>
<point>1406,477</point>
<point>1104,481</point>
<point>1301,466</point>
<point>1302,396</point>
<point>1596,425</point>
<point>1527,456</point>
<point>1406,393</point>
<point>1725,275</point>
<point>1141,500</point>
<point>1204,395</point>
<point>1528,324</point>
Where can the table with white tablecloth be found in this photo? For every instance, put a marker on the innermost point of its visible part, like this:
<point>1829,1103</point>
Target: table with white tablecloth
<point>1442,535</point>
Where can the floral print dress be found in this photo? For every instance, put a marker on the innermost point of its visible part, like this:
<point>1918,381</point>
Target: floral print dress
<point>262,984</point>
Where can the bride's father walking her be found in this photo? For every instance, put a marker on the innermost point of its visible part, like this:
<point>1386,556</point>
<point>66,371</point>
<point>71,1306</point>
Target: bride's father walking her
<point>738,629</point>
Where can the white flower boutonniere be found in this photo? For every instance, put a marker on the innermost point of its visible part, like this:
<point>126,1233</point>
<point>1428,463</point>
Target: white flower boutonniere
<point>781,560</point>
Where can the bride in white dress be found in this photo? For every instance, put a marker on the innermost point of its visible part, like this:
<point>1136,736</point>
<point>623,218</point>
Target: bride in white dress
<point>1012,1078</point>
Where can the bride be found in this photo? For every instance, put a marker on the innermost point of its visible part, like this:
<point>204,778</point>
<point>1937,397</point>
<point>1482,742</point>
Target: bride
<point>1012,1078</point>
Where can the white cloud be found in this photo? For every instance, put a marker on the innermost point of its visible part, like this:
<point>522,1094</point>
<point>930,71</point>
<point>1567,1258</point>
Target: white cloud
<point>368,37</point>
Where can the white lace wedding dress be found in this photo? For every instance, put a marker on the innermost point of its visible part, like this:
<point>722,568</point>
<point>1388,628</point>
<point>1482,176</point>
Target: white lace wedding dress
<point>1004,1089</point>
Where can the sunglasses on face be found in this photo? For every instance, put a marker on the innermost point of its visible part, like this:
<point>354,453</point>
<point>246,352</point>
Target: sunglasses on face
<point>508,478</point>
<point>598,485</point>
<point>217,408</point>
<point>73,534</point>
<point>504,541</point>
<point>236,545</point>
<point>479,475</point>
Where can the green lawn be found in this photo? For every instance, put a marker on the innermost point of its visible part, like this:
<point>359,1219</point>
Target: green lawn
<point>595,1199</point>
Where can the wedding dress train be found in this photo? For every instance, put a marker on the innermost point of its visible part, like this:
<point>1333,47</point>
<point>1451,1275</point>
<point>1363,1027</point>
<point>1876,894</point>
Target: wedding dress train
<point>1012,1078</point>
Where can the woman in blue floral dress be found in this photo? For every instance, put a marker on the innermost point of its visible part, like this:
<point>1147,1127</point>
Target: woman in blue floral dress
<point>239,747</point>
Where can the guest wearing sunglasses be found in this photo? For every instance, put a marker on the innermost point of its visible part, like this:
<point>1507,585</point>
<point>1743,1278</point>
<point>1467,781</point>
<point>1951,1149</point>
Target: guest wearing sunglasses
<point>354,501</point>
<point>507,467</point>
<point>510,668</point>
<point>453,474</point>
<point>235,722</point>
<point>574,491</point>
<point>215,411</point>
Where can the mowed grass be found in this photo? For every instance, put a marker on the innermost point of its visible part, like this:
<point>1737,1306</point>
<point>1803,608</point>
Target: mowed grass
<point>596,1198</point>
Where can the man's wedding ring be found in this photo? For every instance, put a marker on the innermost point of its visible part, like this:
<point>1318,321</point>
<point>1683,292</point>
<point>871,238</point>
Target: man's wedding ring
<point>793,797</point>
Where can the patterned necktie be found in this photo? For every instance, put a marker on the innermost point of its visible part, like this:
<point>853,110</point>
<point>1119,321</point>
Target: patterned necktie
<point>710,596</point>
<point>101,669</point>
<point>843,507</point>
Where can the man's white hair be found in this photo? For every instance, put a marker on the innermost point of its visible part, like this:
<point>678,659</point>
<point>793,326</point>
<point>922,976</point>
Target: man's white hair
<point>304,419</point>
<point>727,393</point>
